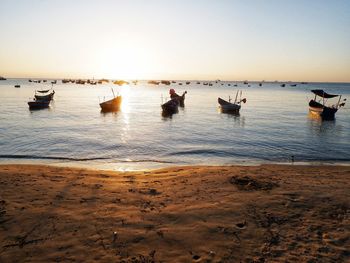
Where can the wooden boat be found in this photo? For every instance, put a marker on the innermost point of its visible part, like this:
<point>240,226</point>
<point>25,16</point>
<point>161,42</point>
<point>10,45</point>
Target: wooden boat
<point>321,109</point>
<point>111,105</point>
<point>47,97</point>
<point>181,98</point>
<point>17,86</point>
<point>38,104</point>
<point>228,107</point>
<point>170,107</point>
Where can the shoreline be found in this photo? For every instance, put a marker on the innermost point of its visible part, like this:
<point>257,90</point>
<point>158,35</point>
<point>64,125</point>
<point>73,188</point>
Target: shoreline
<point>266,213</point>
<point>134,166</point>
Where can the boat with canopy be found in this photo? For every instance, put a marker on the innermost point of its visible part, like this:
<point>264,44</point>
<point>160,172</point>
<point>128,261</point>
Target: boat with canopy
<point>318,106</point>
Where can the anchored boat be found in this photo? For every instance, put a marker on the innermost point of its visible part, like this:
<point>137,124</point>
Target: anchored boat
<point>228,107</point>
<point>320,108</point>
<point>111,105</point>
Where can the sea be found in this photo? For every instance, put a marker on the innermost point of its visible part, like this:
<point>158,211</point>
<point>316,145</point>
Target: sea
<point>274,126</point>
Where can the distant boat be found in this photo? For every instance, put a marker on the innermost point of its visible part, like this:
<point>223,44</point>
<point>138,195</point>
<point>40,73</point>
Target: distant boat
<point>111,105</point>
<point>228,107</point>
<point>52,82</point>
<point>260,84</point>
<point>304,82</point>
<point>17,86</point>
<point>165,82</point>
<point>188,82</point>
<point>319,108</point>
<point>293,85</point>
<point>198,82</point>
<point>283,85</point>
<point>2,78</point>
<point>245,82</point>
<point>153,82</point>
<point>121,82</point>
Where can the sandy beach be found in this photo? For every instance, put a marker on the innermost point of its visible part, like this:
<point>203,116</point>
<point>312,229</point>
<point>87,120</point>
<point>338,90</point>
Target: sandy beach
<point>268,213</point>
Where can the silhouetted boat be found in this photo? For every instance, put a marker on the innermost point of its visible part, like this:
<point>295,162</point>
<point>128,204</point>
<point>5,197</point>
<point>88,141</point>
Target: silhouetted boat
<point>283,85</point>
<point>188,83</point>
<point>38,104</point>
<point>228,107</point>
<point>2,78</point>
<point>293,85</point>
<point>319,107</point>
<point>17,86</point>
<point>165,82</point>
<point>111,105</point>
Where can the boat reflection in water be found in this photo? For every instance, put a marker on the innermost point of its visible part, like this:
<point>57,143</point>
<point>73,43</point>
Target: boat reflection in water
<point>323,128</point>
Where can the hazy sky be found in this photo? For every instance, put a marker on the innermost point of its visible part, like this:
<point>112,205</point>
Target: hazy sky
<point>304,40</point>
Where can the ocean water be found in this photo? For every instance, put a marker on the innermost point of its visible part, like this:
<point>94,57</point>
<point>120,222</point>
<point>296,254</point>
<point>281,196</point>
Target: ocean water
<point>272,126</point>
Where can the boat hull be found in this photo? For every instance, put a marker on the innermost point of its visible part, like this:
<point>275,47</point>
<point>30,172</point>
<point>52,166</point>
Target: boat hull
<point>227,107</point>
<point>326,113</point>
<point>45,97</point>
<point>37,105</point>
<point>111,105</point>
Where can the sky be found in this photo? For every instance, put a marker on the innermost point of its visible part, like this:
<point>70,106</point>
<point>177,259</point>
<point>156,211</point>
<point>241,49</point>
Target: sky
<point>296,40</point>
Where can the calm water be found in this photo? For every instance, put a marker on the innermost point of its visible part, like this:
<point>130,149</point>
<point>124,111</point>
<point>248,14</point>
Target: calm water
<point>273,125</point>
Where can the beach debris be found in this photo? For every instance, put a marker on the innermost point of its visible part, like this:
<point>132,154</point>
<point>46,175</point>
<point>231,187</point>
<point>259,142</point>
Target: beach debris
<point>196,257</point>
<point>241,225</point>
<point>115,236</point>
<point>246,183</point>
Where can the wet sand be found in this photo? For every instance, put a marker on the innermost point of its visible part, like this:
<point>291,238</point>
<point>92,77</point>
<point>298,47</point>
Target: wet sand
<point>268,213</point>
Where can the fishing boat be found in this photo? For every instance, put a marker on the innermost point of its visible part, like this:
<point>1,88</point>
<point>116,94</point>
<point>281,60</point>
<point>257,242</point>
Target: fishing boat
<point>181,99</point>
<point>38,104</point>
<point>320,108</point>
<point>170,107</point>
<point>47,97</point>
<point>111,105</point>
<point>229,107</point>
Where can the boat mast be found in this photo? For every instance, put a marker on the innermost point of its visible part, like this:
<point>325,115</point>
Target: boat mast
<point>338,101</point>
<point>236,97</point>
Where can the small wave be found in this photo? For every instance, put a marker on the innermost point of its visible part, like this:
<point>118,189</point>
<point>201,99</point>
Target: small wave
<point>60,158</point>
<point>19,156</point>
